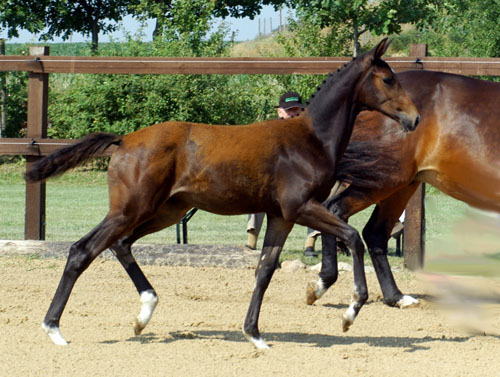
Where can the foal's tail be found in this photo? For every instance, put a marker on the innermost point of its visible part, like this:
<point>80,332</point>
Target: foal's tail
<point>67,158</point>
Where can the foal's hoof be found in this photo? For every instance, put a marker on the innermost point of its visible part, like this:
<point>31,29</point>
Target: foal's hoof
<point>314,291</point>
<point>346,323</point>
<point>311,296</point>
<point>257,341</point>
<point>138,327</point>
<point>149,301</point>
<point>55,335</point>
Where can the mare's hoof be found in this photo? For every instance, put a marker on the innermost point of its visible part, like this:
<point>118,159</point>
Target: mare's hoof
<point>407,301</point>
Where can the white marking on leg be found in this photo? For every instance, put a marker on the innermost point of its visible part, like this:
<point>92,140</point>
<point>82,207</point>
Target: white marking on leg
<point>314,291</point>
<point>149,301</point>
<point>407,301</point>
<point>258,343</point>
<point>55,335</point>
<point>319,289</point>
<point>350,313</point>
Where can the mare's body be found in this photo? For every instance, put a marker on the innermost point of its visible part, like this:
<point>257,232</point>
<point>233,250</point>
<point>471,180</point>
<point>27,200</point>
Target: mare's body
<point>455,148</point>
<point>158,173</point>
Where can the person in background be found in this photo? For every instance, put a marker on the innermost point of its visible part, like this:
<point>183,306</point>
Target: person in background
<point>290,104</point>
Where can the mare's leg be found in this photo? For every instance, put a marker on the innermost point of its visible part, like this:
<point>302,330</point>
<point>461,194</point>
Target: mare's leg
<point>81,254</point>
<point>315,215</point>
<point>169,214</point>
<point>276,234</point>
<point>377,233</point>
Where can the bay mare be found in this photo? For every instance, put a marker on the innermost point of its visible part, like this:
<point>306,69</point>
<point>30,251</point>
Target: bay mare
<point>285,168</point>
<point>455,148</point>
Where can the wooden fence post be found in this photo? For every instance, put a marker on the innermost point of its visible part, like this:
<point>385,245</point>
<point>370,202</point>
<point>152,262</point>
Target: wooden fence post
<point>38,88</point>
<point>414,229</point>
<point>3,92</point>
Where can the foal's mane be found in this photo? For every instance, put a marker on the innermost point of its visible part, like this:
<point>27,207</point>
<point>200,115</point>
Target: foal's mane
<point>368,160</point>
<point>332,79</point>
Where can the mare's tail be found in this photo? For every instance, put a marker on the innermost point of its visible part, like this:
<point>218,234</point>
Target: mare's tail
<point>64,159</point>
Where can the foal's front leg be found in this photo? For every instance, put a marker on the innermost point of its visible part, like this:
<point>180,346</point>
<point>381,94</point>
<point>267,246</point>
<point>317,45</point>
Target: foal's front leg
<point>276,234</point>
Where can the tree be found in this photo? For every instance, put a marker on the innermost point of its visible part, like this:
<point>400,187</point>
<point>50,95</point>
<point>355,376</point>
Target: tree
<point>471,27</point>
<point>88,17</point>
<point>21,14</point>
<point>163,10</point>
<point>362,16</point>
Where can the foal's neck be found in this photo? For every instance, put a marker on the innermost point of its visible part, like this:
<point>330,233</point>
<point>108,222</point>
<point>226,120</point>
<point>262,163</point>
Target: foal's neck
<point>333,109</point>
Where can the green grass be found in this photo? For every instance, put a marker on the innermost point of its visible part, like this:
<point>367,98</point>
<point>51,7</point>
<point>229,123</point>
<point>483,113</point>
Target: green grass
<point>78,201</point>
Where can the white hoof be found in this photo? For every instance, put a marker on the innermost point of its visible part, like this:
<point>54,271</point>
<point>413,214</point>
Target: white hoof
<point>259,343</point>
<point>149,301</point>
<point>55,335</point>
<point>407,301</point>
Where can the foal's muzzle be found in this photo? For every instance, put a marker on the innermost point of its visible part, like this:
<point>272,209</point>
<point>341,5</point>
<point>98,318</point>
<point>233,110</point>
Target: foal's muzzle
<point>409,124</point>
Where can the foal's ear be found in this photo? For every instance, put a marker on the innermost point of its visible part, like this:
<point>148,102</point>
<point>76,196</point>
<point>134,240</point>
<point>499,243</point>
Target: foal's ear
<point>381,48</point>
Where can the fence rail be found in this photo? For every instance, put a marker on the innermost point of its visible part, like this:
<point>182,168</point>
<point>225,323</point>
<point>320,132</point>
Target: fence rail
<point>39,65</point>
<point>281,66</point>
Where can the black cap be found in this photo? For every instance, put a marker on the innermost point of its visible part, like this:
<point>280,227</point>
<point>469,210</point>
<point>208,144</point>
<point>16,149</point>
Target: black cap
<point>289,100</point>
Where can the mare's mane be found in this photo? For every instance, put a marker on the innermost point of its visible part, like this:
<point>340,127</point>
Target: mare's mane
<point>360,164</point>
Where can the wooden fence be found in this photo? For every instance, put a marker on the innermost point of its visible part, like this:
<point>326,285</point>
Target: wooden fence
<point>39,65</point>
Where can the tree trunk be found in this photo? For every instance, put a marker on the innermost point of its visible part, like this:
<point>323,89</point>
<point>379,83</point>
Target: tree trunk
<point>3,92</point>
<point>95,39</point>
<point>357,46</point>
<point>157,29</point>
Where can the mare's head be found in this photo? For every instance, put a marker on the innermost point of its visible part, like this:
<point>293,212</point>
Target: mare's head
<point>379,89</point>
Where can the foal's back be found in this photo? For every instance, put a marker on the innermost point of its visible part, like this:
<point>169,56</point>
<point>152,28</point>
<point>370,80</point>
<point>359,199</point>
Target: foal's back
<point>222,169</point>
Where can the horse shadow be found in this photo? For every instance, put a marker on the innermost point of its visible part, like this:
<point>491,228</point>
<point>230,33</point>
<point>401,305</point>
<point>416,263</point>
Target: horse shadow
<point>408,344</point>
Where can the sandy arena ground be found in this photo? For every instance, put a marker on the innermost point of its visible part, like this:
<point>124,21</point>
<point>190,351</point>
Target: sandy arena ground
<point>195,330</point>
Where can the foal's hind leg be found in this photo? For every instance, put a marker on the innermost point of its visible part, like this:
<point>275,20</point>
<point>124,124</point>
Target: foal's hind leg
<point>316,216</point>
<point>340,206</point>
<point>81,254</point>
<point>276,234</point>
<point>169,214</point>
<point>148,296</point>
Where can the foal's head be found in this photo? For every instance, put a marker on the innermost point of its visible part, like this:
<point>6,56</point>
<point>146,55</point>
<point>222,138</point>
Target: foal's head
<point>380,90</point>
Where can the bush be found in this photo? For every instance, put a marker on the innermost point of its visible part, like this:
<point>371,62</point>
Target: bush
<point>124,103</point>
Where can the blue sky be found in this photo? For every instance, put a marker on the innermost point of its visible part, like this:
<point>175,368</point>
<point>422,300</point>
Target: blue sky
<point>245,28</point>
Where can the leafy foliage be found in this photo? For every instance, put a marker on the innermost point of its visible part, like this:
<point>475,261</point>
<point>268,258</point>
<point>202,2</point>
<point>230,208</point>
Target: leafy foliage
<point>465,20</point>
<point>125,103</point>
<point>64,18</point>
<point>362,16</point>
<point>16,88</point>
<point>21,14</point>
<point>165,11</point>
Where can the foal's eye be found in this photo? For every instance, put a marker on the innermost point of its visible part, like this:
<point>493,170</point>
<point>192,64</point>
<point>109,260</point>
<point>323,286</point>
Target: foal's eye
<point>389,81</point>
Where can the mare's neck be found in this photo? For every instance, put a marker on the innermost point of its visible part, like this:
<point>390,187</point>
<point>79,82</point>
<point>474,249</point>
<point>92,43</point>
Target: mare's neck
<point>334,108</point>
